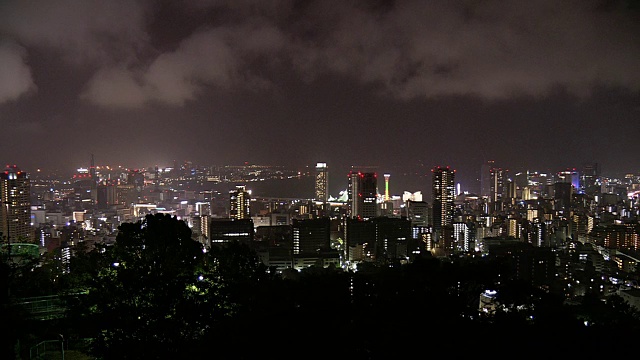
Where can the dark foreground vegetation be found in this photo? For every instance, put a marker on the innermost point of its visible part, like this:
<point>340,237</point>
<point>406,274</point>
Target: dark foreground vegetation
<point>155,294</point>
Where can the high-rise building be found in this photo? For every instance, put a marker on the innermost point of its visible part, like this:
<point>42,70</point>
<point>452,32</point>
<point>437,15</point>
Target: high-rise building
<point>200,229</point>
<point>94,182</point>
<point>589,177</point>
<point>562,192</point>
<point>363,194</point>
<point>106,195</point>
<point>485,178</point>
<point>419,213</point>
<point>310,236</point>
<point>498,188</point>
<point>443,196</point>
<point>239,199</point>
<point>15,192</point>
<point>322,182</point>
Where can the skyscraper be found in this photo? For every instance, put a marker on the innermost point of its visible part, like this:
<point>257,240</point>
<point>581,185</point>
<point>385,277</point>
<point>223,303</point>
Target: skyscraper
<point>498,188</point>
<point>443,196</point>
<point>485,178</point>
<point>322,182</point>
<point>94,182</point>
<point>363,194</point>
<point>588,178</point>
<point>239,203</point>
<point>15,219</point>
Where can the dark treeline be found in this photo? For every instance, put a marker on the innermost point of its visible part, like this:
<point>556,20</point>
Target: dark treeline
<point>155,294</point>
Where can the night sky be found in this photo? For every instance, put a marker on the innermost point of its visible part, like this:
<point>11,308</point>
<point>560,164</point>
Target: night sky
<point>539,85</point>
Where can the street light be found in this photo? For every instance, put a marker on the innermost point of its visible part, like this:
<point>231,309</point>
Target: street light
<point>62,344</point>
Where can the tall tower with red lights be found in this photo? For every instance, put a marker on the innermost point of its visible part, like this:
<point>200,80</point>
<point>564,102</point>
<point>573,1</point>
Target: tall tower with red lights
<point>363,194</point>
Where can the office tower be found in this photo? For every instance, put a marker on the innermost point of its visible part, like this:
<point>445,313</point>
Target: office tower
<point>363,193</point>
<point>443,196</point>
<point>498,188</point>
<point>419,213</point>
<point>359,238</point>
<point>239,203</point>
<point>562,192</point>
<point>392,238</point>
<point>203,208</point>
<point>522,179</point>
<point>156,178</point>
<point>460,236</point>
<point>310,236</point>
<point>106,195</point>
<point>15,192</point>
<point>223,230</point>
<point>485,178</point>
<point>322,182</point>
<point>589,177</point>
<point>200,229</point>
<point>94,182</point>
<point>512,190</point>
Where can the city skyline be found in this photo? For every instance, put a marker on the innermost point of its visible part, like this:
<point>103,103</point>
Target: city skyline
<point>411,85</point>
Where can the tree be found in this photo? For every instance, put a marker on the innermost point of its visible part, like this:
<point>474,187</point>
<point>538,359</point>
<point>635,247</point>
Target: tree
<point>151,295</point>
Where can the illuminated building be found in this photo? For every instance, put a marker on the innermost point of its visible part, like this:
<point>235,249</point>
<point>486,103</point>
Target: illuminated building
<point>589,178</point>
<point>360,237</point>
<point>570,176</point>
<point>392,238</point>
<point>443,196</point>
<point>106,195</point>
<point>416,196</point>
<point>419,213</point>
<point>15,192</point>
<point>203,208</point>
<point>310,236</point>
<point>534,265</point>
<point>497,188</point>
<point>322,182</point>
<point>200,229</point>
<point>562,192</point>
<point>386,187</point>
<point>488,303</point>
<point>460,235</point>
<point>227,230</point>
<point>239,203</point>
<point>513,228</point>
<point>363,193</point>
<point>485,178</point>
<point>94,179</point>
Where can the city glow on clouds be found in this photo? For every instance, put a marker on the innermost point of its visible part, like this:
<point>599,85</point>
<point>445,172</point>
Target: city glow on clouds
<point>145,82</point>
<point>492,49</point>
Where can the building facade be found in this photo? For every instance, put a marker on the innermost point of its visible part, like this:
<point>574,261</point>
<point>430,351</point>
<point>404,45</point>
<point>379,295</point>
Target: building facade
<point>15,219</point>
<point>363,194</point>
<point>322,183</point>
<point>239,203</point>
<point>443,196</point>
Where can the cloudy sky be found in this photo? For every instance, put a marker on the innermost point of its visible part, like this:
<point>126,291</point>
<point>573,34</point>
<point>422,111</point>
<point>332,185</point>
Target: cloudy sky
<point>543,85</point>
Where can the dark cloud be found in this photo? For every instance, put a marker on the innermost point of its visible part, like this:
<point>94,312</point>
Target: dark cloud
<point>79,30</point>
<point>15,74</point>
<point>396,81</point>
<point>492,49</point>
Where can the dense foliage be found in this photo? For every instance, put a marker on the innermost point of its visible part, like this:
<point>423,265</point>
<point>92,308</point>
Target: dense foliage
<point>156,294</point>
